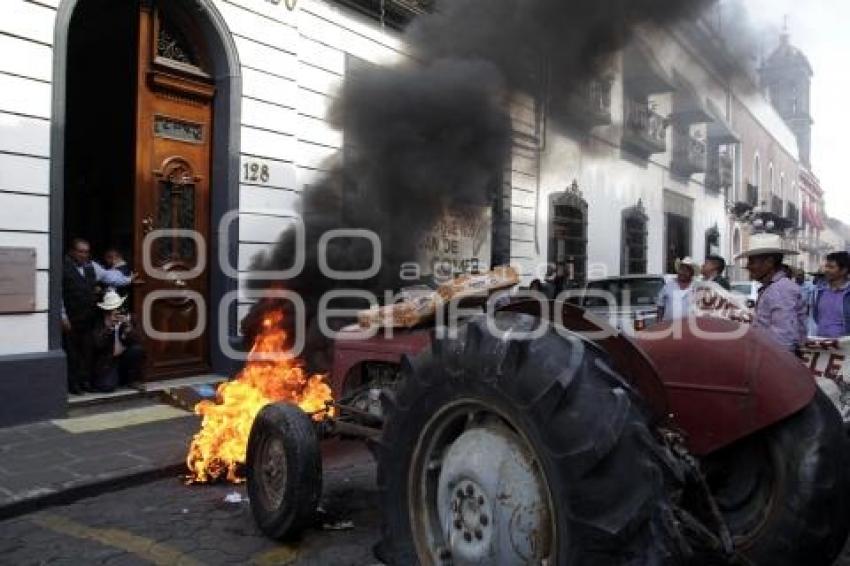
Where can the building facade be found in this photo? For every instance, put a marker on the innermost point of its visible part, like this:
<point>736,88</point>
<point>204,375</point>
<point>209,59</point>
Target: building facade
<point>118,119</point>
<point>679,150</point>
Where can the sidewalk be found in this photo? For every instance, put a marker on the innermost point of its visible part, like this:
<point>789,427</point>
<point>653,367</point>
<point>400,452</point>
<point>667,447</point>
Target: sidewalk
<point>98,449</point>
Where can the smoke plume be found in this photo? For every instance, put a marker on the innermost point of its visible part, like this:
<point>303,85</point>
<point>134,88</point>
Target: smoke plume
<point>435,132</point>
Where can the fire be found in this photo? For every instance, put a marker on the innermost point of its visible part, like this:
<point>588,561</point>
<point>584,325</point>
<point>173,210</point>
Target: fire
<point>220,446</point>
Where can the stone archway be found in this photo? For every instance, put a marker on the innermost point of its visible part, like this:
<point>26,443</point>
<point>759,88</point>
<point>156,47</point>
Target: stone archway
<point>225,75</point>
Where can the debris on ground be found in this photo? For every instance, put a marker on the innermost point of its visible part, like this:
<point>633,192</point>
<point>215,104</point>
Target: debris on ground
<point>235,497</point>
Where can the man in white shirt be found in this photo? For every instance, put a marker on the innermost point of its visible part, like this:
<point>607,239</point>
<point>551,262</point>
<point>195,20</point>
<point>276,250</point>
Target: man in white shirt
<point>676,297</point>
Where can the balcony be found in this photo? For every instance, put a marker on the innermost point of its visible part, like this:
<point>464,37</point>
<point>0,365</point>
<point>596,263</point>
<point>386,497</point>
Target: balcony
<point>589,107</point>
<point>719,174</point>
<point>690,155</point>
<point>645,132</point>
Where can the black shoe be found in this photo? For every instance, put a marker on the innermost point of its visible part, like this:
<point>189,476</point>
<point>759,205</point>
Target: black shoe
<point>87,387</point>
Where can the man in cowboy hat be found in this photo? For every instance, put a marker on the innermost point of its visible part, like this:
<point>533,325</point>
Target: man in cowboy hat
<point>779,308</point>
<point>676,296</point>
<point>118,354</point>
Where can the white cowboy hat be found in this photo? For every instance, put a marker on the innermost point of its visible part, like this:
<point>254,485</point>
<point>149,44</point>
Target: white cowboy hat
<point>764,244</point>
<point>688,260</point>
<point>111,301</point>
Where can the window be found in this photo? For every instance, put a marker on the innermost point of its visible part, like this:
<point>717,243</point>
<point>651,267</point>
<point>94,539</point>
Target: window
<point>678,212</point>
<point>756,175</point>
<point>568,236</point>
<point>633,260</point>
<point>771,185</point>
<point>175,43</point>
<point>712,241</point>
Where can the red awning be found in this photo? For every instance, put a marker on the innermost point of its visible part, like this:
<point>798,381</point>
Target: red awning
<point>818,220</point>
<point>811,216</point>
<point>807,215</point>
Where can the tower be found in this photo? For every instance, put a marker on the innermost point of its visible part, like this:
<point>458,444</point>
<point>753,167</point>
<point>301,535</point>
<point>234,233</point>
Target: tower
<point>787,77</point>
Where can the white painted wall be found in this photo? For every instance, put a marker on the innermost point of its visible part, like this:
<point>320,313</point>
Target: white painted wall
<point>26,59</point>
<point>293,62</point>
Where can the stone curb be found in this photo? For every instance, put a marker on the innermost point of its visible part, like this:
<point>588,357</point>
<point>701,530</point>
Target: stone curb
<point>64,496</point>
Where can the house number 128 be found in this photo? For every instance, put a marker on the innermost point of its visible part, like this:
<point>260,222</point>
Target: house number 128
<point>256,172</point>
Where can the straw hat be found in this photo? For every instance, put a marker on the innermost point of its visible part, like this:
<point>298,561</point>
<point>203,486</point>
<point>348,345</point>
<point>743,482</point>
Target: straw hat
<point>111,301</point>
<point>764,244</point>
<point>688,260</point>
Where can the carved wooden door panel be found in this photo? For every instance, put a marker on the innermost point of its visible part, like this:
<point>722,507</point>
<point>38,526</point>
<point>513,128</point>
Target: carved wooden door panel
<point>173,145</point>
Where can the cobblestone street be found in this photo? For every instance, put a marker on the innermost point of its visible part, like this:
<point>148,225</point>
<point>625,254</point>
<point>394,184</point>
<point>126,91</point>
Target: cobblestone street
<point>167,522</point>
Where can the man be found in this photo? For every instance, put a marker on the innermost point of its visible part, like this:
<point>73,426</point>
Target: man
<point>118,357</point>
<point>712,270</point>
<point>779,308</point>
<point>676,297</point>
<point>832,299</point>
<point>80,277</point>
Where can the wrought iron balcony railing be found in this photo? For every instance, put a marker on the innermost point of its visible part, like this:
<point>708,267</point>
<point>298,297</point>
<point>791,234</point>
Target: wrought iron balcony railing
<point>690,155</point>
<point>645,130</point>
<point>719,173</point>
<point>589,106</point>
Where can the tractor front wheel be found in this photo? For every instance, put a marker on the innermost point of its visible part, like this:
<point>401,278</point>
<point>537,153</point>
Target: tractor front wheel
<point>284,470</point>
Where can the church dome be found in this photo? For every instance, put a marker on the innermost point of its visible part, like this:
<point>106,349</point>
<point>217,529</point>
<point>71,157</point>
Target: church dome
<point>786,56</point>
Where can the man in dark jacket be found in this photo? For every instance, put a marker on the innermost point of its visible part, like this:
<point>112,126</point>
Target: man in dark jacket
<point>832,299</point>
<point>118,357</point>
<point>80,278</point>
<point>712,270</point>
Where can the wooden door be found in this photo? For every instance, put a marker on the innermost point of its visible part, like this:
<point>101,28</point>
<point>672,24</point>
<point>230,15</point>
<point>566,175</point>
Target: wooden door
<point>172,186</point>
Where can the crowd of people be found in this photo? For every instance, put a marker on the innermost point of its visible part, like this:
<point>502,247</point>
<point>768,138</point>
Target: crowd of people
<point>103,348</point>
<point>789,306</point>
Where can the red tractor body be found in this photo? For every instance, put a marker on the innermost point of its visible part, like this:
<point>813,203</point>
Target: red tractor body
<point>703,431</point>
<point>715,390</point>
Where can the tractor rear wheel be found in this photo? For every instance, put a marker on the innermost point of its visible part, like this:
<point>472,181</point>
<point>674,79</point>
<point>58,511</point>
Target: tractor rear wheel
<point>784,493</point>
<point>500,450</point>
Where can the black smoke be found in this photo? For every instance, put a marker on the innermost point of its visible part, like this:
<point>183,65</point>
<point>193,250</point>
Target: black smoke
<point>435,132</point>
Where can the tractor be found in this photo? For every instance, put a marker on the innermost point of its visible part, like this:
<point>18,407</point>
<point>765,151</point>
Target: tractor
<point>536,433</point>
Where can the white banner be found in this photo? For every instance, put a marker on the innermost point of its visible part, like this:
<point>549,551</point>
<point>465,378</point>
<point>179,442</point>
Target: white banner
<point>827,359</point>
<point>458,243</point>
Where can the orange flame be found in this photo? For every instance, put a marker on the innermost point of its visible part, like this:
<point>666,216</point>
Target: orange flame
<point>220,446</point>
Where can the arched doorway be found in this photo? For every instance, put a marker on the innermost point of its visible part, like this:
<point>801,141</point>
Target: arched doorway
<point>145,137</point>
<point>568,236</point>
